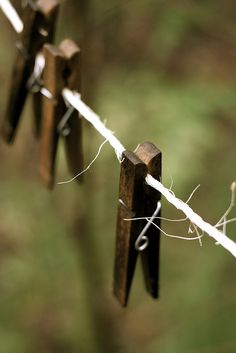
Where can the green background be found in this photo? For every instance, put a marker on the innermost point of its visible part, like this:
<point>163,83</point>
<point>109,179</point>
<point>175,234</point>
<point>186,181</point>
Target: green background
<point>158,71</point>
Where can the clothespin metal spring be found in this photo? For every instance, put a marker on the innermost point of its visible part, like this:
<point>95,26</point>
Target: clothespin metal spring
<point>63,128</point>
<point>142,241</point>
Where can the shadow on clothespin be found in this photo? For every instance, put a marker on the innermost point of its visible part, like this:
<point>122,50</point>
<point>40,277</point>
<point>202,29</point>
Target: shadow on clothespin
<point>39,20</point>
<point>62,69</point>
<point>137,199</point>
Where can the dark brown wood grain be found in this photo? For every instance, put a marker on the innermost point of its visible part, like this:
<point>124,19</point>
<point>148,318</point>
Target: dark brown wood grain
<point>37,102</point>
<point>72,76</point>
<point>137,199</point>
<point>52,110</point>
<point>132,175</point>
<point>151,156</point>
<point>39,25</point>
<point>62,69</point>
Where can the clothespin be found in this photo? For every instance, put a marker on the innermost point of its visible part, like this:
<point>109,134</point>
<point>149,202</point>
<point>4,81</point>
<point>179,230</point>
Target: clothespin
<point>151,156</point>
<point>62,69</point>
<point>137,199</point>
<point>39,23</point>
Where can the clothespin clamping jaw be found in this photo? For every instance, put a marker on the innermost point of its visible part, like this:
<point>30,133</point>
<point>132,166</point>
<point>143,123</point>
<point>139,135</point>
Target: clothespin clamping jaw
<point>39,20</point>
<point>137,200</point>
<point>62,69</point>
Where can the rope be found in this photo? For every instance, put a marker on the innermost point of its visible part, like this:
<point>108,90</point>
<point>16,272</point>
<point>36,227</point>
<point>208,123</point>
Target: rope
<point>12,15</point>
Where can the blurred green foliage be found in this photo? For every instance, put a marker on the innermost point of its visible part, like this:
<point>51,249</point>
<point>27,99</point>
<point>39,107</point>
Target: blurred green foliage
<point>162,71</point>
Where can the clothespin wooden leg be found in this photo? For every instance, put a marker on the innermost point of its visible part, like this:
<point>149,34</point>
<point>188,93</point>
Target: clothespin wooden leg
<point>73,139</point>
<point>53,106</point>
<point>39,22</point>
<point>133,172</point>
<point>137,199</point>
<point>37,108</point>
<point>151,156</point>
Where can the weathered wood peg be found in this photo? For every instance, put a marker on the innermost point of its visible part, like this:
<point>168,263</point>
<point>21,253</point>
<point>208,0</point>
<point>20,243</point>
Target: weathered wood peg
<point>137,200</point>
<point>132,175</point>
<point>73,126</point>
<point>39,20</point>
<point>152,158</point>
<point>62,69</point>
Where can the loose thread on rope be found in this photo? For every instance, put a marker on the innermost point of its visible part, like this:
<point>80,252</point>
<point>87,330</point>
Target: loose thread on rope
<point>213,232</point>
<point>190,230</point>
<point>223,222</point>
<point>229,209</point>
<point>87,168</point>
<point>12,15</point>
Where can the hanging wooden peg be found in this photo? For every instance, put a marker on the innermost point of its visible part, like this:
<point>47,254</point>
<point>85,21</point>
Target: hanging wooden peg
<point>71,128</point>
<point>136,200</point>
<point>39,20</point>
<point>62,69</point>
<point>151,156</point>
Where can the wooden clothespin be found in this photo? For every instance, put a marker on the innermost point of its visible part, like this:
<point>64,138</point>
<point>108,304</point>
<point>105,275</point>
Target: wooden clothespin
<point>39,20</point>
<point>62,69</point>
<point>137,199</point>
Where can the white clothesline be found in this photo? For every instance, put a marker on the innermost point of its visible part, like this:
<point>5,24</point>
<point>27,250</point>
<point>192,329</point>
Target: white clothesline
<point>12,15</point>
<point>74,99</point>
